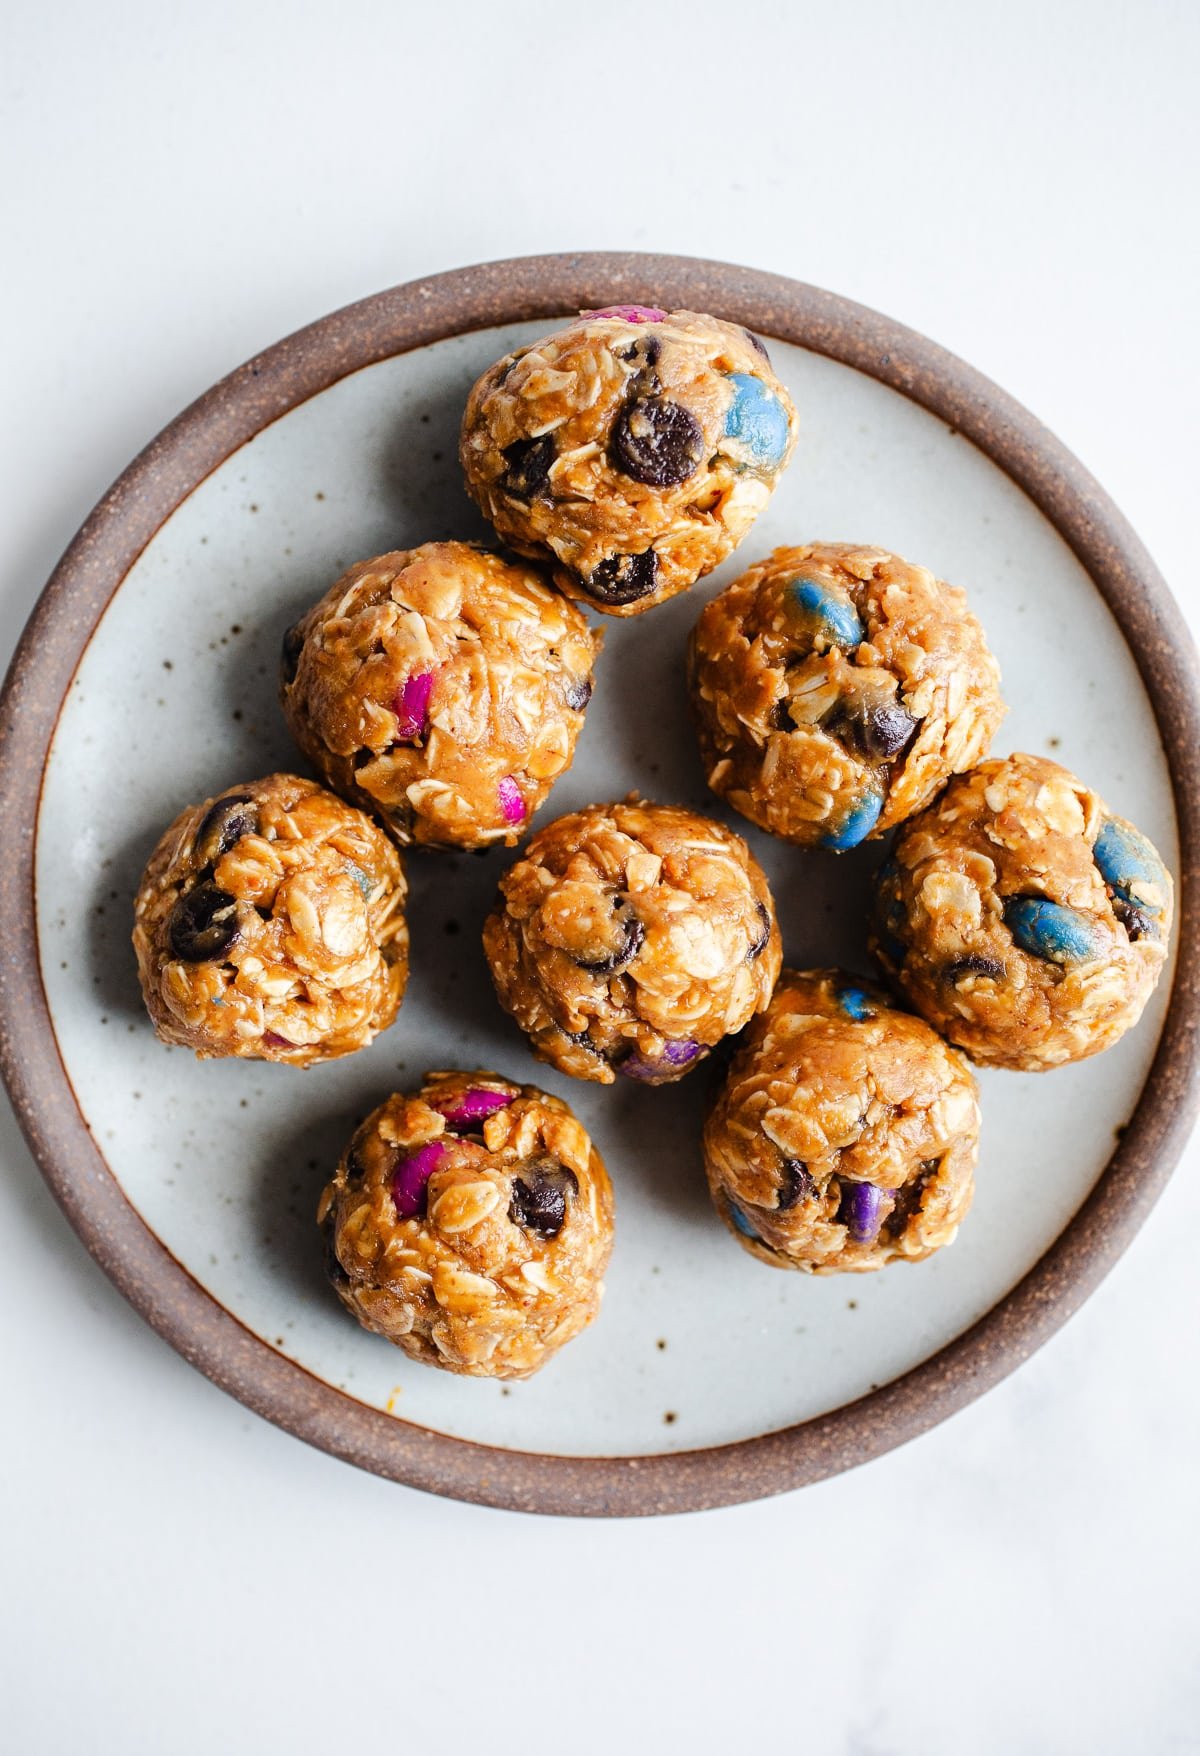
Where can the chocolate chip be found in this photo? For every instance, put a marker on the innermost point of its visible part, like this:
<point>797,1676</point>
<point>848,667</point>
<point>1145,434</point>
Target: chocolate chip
<point>527,465</point>
<point>796,1183</point>
<point>539,1201</point>
<point>579,693</point>
<point>1137,922</point>
<point>657,441</point>
<point>755,342</point>
<point>203,924</point>
<point>974,965</point>
<point>645,351</point>
<point>760,944</point>
<point>781,717</point>
<point>289,655</point>
<point>223,825</point>
<point>631,943</point>
<point>333,1267</point>
<point>622,579</point>
<point>877,730</point>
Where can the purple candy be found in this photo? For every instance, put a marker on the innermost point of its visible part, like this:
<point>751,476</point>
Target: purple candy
<point>859,1209</point>
<point>473,1106</point>
<point>273,1040</point>
<point>411,1175</point>
<point>511,802</point>
<point>630,313</point>
<point>411,705</point>
<point>651,1067</point>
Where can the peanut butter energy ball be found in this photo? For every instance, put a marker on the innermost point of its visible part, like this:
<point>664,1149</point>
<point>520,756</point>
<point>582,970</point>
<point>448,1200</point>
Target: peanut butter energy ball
<point>845,1134</point>
<point>635,448</point>
<point>1021,918</point>
<point>470,1223</point>
<point>630,939</point>
<point>443,688</point>
<point>836,689</point>
<point>270,924</point>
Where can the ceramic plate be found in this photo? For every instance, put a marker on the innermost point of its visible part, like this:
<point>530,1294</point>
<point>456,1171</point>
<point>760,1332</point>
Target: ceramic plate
<point>147,680</point>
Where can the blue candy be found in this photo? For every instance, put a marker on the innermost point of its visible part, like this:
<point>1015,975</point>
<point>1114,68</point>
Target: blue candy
<point>855,1004</point>
<point>1124,858</point>
<point>828,614</point>
<point>1052,931</point>
<point>862,818</point>
<point>757,419</point>
<point>742,1223</point>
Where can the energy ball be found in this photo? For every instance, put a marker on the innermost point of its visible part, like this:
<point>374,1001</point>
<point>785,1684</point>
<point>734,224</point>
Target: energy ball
<point>470,1223</point>
<point>635,448</point>
<point>835,691</point>
<point>630,939</point>
<point>845,1134</point>
<point>442,688</point>
<point>1021,918</point>
<point>270,924</point>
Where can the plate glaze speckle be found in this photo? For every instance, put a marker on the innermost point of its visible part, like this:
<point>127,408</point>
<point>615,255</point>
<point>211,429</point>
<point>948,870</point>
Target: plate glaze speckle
<point>175,699</point>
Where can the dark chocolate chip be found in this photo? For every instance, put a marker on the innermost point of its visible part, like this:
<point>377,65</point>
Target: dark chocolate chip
<point>631,943</point>
<point>203,924</point>
<point>622,579</point>
<point>796,1184</point>
<point>333,1267</point>
<point>223,825</point>
<point>757,343</point>
<point>289,654</point>
<point>1138,923</point>
<point>646,351</point>
<point>527,465</point>
<point>539,1201</point>
<point>781,717</point>
<point>657,441</point>
<point>975,965</point>
<point>760,944</point>
<point>356,1170</point>
<point>877,731</point>
<point>579,693</point>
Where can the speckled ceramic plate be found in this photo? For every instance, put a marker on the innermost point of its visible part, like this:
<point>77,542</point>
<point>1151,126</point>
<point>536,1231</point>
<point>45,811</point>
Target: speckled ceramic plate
<point>146,679</point>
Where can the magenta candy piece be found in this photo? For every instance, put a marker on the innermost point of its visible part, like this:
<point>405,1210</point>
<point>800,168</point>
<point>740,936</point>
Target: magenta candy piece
<point>650,1067</point>
<point>411,1175</point>
<point>273,1040</point>
<point>511,802</point>
<point>859,1209</point>
<point>630,313</point>
<point>473,1106</point>
<point>411,705</point>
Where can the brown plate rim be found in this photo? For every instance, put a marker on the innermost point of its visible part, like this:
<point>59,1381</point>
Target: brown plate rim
<point>57,634</point>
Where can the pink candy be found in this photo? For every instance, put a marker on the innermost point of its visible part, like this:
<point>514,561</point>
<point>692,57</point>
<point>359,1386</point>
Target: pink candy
<point>473,1106</point>
<point>411,705</point>
<point>511,802</point>
<point>630,313</point>
<point>411,1175</point>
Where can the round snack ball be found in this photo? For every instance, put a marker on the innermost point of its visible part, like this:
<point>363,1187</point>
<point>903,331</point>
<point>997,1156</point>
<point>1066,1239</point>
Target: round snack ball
<point>630,939</point>
<point>443,688</point>
<point>270,924</point>
<point>845,1134</point>
<point>471,1224</point>
<point>635,448</point>
<point>836,689</point>
<point>1021,918</point>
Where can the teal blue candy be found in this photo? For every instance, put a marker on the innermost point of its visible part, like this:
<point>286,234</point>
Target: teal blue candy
<point>1052,931</point>
<point>742,1223</point>
<point>834,617</point>
<point>1124,857</point>
<point>757,419</point>
<point>863,817</point>
<point>855,1003</point>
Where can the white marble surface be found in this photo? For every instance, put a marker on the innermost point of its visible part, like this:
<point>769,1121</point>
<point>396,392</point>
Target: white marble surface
<point>184,186</point>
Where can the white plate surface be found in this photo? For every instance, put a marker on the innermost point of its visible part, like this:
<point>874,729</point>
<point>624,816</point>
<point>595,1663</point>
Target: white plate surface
<point>697,1344</point>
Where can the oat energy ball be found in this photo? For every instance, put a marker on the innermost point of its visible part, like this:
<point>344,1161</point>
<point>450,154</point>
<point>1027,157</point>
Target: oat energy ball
<point>635,448</point>
<point>1021,918</point>
<point>270,924</point>
<point>845,1134</point>
<point>470,1223</point>
<point>443,688</point>
<point>836,689</point>
<point>630,939</point>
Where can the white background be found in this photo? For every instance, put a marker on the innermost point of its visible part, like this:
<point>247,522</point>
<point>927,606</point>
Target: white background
<point>182,185</point>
